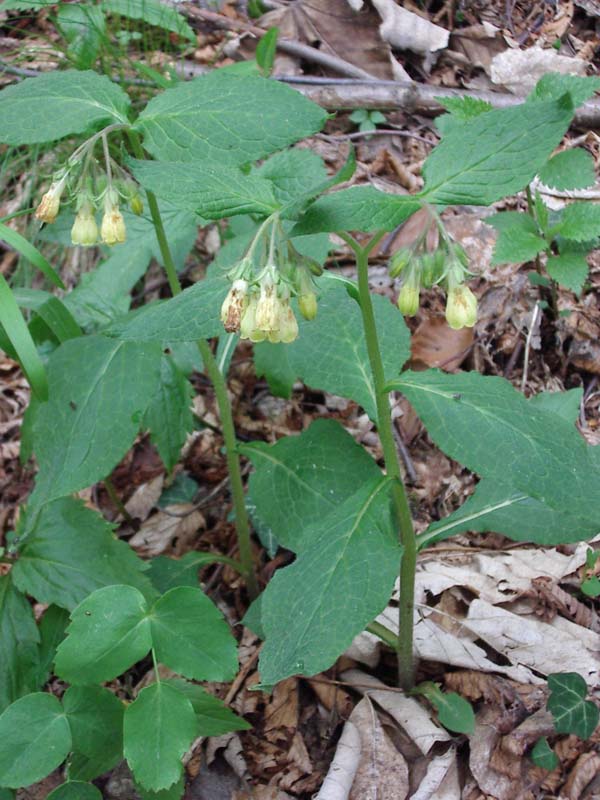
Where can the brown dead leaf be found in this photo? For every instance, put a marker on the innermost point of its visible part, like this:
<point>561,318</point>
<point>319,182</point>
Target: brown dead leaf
<point>282,709</point>
<point>164,533</point>
<point>333,697</point>
<point>585,770</point>
<point>334,28</point>
<point>478,44</point>
<point>145,498</point>
<point>382,772</point>
<point>436,344</point>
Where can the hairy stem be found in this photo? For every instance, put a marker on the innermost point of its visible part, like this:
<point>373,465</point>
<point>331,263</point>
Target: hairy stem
<point>404,643</point>
<point>217,379</point>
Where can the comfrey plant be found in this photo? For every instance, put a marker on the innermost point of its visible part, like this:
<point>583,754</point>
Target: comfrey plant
<point>209,149</point>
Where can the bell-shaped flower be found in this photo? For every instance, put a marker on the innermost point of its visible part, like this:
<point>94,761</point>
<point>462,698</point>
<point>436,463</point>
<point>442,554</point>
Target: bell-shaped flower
<point>234,306</point>
<point>461,307</point>
<point>112,229</point>
<point>85,230</point>
<point>49,206</point>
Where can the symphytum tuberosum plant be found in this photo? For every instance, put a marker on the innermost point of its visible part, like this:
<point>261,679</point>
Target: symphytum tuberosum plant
<point>209,149</point>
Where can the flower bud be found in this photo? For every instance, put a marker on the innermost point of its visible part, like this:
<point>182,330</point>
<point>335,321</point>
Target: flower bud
<point>234,306</point>
<point>136,204</point>
<point>85,231</point>
<point>288,328</point>
<point>50,203</point>
<point>399,260</point>
<point>408,299</point>
<point>268,309</point>
<point>248,327</point>
<point>307,303</point>
<point>461,307</point>
<point>113,224</point>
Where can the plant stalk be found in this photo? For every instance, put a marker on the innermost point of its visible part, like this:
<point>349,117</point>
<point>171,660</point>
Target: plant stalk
<point>217,379</point>
<point>404,644</point>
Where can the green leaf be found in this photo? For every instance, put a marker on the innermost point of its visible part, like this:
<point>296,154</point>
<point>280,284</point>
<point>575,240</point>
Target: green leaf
<point>169,415</point>
<point>52,632</point>
<point>167,573</point>
<point>266,50</point>
<point>71,551</point>
<point>226,118</point>
<point>19,639</point>
<point>591,586</point>
<point>570,269</point>
<point>84,27</point>
<point>213,716</point>
<point>497,506</point>
<point>34,739</point>
<point>572,713</point>
<point>580,222</point>
<point>272,362</point>
<point>496,154</point>
<point>59,320</point>
<point>342,578</point>
<point>462,109</point>
<point>360,208</point>
<point>95,717</point>
<point>153,13</point>
<point>299,481</point>
<point>566,404</point>
<point>75,790</point>
<point>331,353</point>
<point>488,426</point>
<point>18,333</point>
<point>174,792</point>
<point>183,490</point>
<point>191,637</point>
<point>31,253</point>
<point>543,756</point>
<point>292,173</point>
<point>160,721</point>
<point>194,314</point>
<point>212,192</point>
<point>553,86</point>
<point>569,169</point>
<point>454,712</point>
<point>57,104</point>
<point>518,238</point>
<point>109,632</point>
<point>99,390</point>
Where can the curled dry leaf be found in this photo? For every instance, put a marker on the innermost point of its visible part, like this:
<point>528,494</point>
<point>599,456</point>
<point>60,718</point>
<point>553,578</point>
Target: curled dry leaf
<point>165,533</point>
<point>583,773</point>
<point>408,31</point>
<point>436,344</point>
<point>441,779</point>
<point>412,716</point>
<point>520,70</point>
<point>339,779</point>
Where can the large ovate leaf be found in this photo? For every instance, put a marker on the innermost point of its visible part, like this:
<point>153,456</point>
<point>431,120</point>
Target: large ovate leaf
<point>70,552</point>
<point>99,389</point>
<point>331,353</point>
<point>488,426</point>
<point>496,154</point>
<point>57,104</point>
<point>292,173</point>
<point>194,314</point>
<point>518,237</point>
<point>212,192</point>
<point>499,507</point>
<point>191,637</point>
<point>580,222</point>
<point>299,481</point>
<point>272,362</point>
<point>213,716</point>
<point>95,717</point>
<point>174,792</point>
<point>226,118</point>
<point>19,640</point>
<point>342,578</point>
<point>160,722</point>
<point>360,208</point>
<point>34,739</point>
<point>169,415</point>
<point>109,632</point>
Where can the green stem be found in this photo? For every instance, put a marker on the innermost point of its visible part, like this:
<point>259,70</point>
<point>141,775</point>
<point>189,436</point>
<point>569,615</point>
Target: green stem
<point>385,634</point>
<point>404,643</point>
<point>116,500</point>
<point>242,522</point>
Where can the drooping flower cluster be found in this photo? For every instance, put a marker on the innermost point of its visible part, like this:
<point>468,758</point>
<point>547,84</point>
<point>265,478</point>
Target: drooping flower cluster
<point>258,304</point>
<point>90,187</point>
<point>428,262</point>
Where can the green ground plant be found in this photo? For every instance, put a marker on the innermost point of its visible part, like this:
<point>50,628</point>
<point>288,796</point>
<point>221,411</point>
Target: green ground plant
<point>214,148</point>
